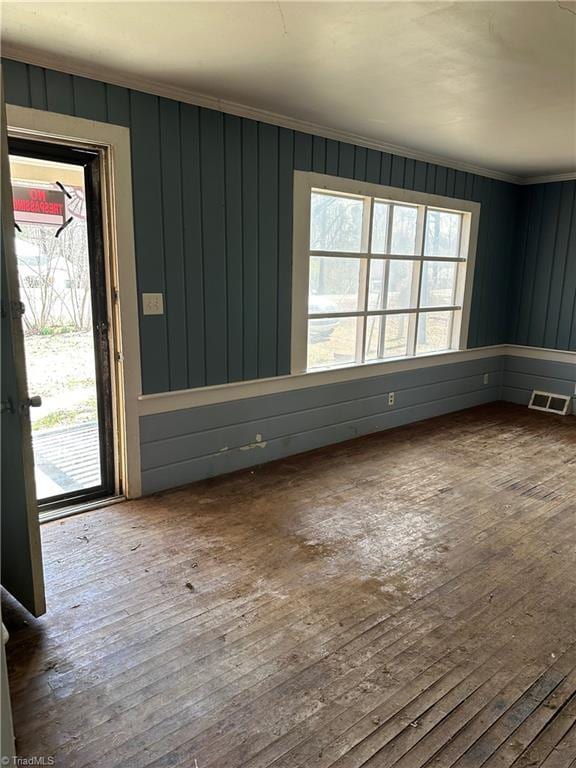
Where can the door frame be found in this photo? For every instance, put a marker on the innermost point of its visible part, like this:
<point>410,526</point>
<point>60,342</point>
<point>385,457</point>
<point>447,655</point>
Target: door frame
<point>113,144</point>
<point>89,162</point>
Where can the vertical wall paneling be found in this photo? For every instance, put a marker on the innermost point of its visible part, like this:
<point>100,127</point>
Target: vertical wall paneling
<point>566,333</point>
<point>469,186</point>
<point>346,160</point>
<point>16,83</point>
<point>147,195</point>
<point>560,261</point>
<point>543,291</point>
<point>193,255</point>
<point>503,277</point>
<point>214,244</point>
<point>491,248</point>
<point>332,157</point>
<point>460,185</point>
<point>250,246</point>
<point>409,170</point>
<point>318,154</point>
<point>285,175</point>
<point>441,180</point>
<point>476,308</point>
<point>213,229</point>
<point>37,87</point>
<point>397,173</point>
<point>173,237</point>
<point>430,178</point>
<point>89,99</point>
<point>420,176</point>
<point>234,276</point>
<point>302,151</point>
<point>373,166</point>
<point>525,235</point>
<point>118,105</point>
<point>268,250</point>
<point>520,242</point>
<point>530,264</point>
<point>60,92</point>
<point>360,154</point>
<point>543,271</point>
<point>572,340</point>
<point>385,168</point>
<point>450,181</point>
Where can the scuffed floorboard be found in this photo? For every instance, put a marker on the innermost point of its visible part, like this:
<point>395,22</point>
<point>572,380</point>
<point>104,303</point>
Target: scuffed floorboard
<point>406,599</point>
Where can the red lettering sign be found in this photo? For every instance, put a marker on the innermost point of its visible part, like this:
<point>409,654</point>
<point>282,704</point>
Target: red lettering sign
<point>39,206</point>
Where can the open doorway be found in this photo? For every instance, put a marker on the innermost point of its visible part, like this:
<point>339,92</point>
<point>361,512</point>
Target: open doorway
<point>63,288</point>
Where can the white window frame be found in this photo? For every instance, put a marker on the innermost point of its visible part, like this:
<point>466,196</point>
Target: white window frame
<point>304,184</point>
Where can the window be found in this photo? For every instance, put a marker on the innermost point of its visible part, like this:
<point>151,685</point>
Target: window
<point>379,273</point>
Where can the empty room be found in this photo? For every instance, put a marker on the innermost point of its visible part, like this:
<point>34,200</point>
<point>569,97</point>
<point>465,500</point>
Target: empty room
<point>288,455</point>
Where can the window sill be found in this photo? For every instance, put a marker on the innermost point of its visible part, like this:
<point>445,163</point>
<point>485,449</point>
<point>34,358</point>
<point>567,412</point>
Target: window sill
<point>221,393</point>
<point>383,362</point>
<point>182,399</point>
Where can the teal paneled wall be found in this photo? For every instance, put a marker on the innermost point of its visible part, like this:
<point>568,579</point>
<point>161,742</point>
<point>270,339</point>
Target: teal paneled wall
<point>213,225</point>
<point>543,306</point>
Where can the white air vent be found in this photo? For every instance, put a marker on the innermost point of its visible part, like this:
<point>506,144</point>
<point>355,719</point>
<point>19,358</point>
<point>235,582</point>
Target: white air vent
<point>548,401</point>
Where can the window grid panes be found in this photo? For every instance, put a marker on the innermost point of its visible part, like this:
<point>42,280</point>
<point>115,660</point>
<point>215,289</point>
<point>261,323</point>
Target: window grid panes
<point>385,279</point>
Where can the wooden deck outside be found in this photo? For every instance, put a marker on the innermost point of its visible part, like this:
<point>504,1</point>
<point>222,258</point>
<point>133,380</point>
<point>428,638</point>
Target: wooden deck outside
<point>66,459</point>
<point>406,600</point>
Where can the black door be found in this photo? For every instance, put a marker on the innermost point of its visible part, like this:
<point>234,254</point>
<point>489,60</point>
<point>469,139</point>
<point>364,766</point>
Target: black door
<point>63,286</point>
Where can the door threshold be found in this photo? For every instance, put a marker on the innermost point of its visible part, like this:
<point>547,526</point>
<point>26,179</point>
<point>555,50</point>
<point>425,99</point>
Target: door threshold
<point>76,509</point>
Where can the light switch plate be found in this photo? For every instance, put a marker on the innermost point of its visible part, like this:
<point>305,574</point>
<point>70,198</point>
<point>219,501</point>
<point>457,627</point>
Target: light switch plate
<point>153,303</point>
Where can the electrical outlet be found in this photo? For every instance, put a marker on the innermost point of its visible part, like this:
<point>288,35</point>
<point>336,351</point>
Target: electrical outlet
<point>485,378</point>
<point>152,303</point>
<point>391,398</point>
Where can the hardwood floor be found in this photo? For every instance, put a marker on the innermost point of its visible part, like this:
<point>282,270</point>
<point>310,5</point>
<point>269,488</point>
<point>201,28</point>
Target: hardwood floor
<point>406,599</point>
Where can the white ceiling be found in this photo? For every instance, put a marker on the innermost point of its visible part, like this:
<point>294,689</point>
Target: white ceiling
<point>487,83</point>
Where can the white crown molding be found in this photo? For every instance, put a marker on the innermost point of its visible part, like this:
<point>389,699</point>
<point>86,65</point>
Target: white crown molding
<point>52,61</point>
<point>134,82</point>
<point>570,176</point>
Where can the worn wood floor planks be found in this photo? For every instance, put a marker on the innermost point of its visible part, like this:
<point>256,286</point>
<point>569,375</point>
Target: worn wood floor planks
<point>405,600</point>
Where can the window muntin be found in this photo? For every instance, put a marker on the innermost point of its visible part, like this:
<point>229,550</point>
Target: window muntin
<point>392,282</point>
